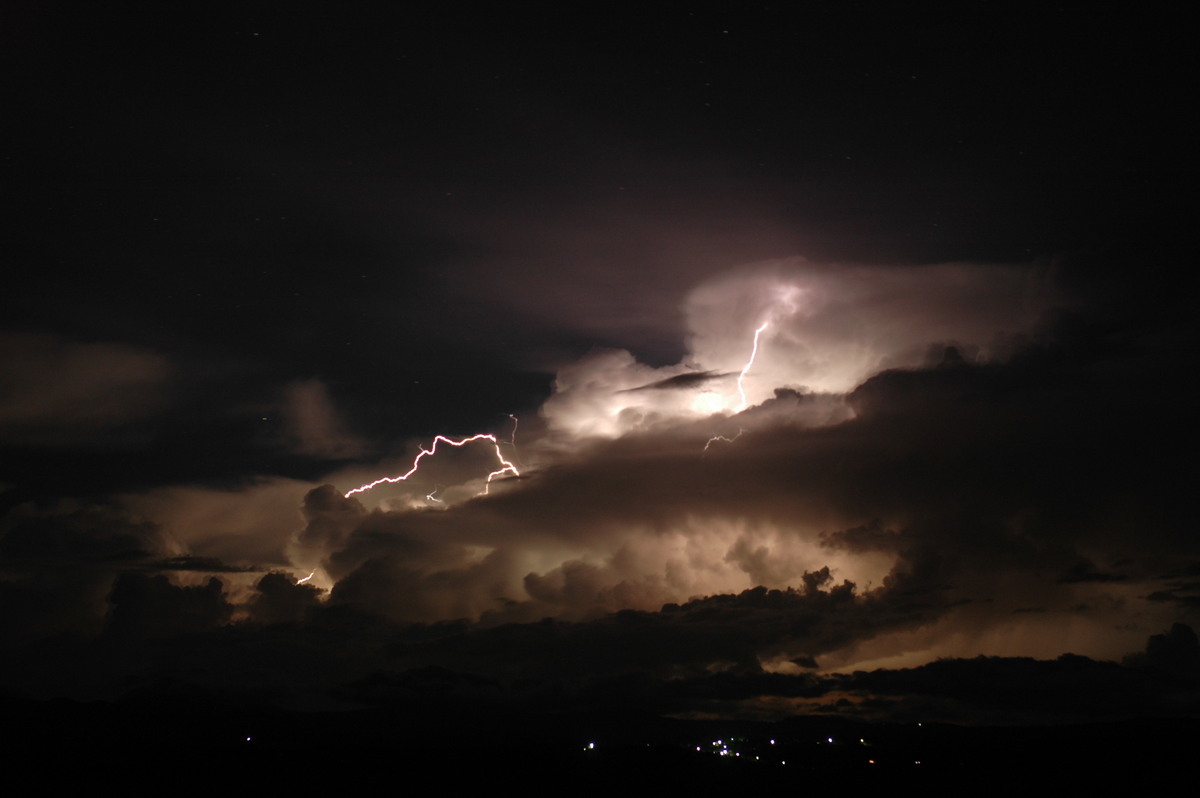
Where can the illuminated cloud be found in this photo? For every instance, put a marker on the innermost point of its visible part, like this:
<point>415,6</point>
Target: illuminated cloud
<point>828,328</point>
<point>656,518</point>
<point>248,526</point>
<point>640,487</point>
<point>832,326</point>
<point>920,474</point>
<point>926,503</point>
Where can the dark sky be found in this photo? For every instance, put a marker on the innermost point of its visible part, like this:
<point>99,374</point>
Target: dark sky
<point>258,255</point>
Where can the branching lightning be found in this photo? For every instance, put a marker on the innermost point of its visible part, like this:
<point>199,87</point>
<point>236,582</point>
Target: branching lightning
<point>505,466</point>
<point>508,467</point>
<point>746,368</point>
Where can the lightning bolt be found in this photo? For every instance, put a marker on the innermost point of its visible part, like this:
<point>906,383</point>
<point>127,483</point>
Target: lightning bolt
<point>741,391</point>
<point>305,579</point>
<point>746,368</point>
<point>505,466</point>
<point>716,438</point>
<point>430,497</point>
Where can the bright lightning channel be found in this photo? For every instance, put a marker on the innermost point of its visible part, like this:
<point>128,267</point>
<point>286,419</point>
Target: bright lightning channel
<point>305,579</point>
<point>746,368</point>
<point>741,390</point>
<point>505,466</point>
<point>716,438</point>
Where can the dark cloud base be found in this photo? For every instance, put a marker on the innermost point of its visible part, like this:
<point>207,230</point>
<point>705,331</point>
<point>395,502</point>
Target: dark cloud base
<point>698,659</point>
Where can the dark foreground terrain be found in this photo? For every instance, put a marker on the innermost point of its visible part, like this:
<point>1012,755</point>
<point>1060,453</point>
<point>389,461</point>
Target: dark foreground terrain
<point>197,744</point>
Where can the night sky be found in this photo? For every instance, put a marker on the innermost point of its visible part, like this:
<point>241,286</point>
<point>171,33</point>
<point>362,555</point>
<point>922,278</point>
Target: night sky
<point>258,255</point>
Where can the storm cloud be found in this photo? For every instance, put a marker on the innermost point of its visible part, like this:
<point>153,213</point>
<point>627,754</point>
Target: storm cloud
<point>784,364</point>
